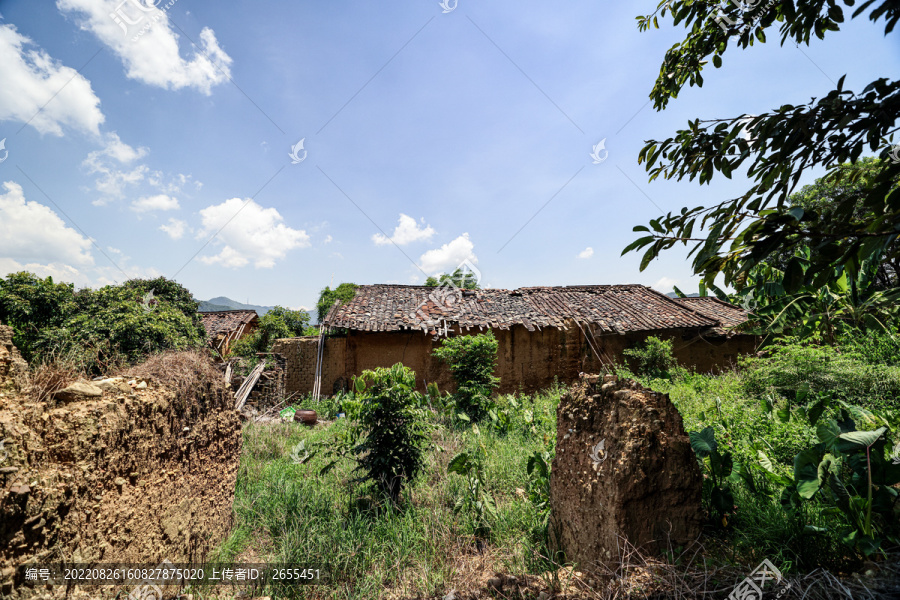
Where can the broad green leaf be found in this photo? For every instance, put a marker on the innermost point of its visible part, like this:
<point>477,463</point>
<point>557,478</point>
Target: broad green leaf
<point>703,442</point>
<point>856,440</point>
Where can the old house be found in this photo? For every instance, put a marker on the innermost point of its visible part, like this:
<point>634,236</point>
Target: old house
<point>225,327</point>
<point>544,333</point>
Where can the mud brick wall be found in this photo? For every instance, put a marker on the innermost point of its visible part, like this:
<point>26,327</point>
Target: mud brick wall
<point>624,468</point>
<point>527,360</point>
<point>127,477</point>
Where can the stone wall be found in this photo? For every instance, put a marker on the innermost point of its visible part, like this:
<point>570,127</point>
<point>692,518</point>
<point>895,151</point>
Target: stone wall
<point>527,360</point>
<point>624,470</point>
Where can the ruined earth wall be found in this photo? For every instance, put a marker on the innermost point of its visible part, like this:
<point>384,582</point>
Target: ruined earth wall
<point>131,474</point>
<point>527,360</point>
<point>624,470</point>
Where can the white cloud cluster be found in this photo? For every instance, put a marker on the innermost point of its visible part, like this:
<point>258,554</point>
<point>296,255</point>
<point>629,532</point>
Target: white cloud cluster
<point>449,256</point>
<point>175,228</point>
<point>42,92</point>
<point>157,202</point>
<point>257,234</point>
<point>151,55</point>
<point>107,163</point>
<point>665,285</point>
<point>586,253</point>
<point>406,232</point>
<point>31,231</point>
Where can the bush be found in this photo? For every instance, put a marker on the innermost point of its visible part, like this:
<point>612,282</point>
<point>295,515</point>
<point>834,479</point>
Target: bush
<point>278,323</point>
<point>794,366</point>
<point>653,358</point>
<point>471,359</point>
<point>391,450</point>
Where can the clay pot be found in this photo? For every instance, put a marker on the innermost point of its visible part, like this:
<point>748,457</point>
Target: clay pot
<point>307,417</point>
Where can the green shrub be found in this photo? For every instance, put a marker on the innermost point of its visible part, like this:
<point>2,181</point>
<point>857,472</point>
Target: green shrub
<point>393,436</point>
<point>876,348</point>
<point>278,323</point>
<point>652,358</point>
<point>794,366</point>
<point>471,359</point>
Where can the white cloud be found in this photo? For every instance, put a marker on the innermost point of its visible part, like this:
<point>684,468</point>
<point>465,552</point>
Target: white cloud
<point>31,231</point>
<point>328,239</point>
<point>175,228</point>
<point>586,253</point>
<point>257,234</point>
<point>105,162</point>
<point>407,231</point>
<point>665,285</point>
<point>158,202</point>
<point>41,91</point>
<point>449,256</point>
<point>152,55</point>
<point>58,271</point>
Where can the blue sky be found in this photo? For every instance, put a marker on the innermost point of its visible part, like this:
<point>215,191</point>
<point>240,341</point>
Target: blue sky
<point>429,138</point>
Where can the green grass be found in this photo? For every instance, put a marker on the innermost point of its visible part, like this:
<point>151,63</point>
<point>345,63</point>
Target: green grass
<point>287,512</point>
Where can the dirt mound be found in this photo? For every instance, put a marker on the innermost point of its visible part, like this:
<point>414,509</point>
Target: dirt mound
<point>136,475</point>
<point>624,468</point>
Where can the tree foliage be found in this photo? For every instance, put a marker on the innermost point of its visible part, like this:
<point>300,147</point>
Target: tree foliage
<point>776,149</point>
<point>110,324</point>
<point>278,323</point>
<point>465,280</point>
<point>327,297</point>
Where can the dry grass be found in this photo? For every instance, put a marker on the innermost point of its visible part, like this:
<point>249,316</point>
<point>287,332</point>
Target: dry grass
<point>637,575</point>
<point>51,375</point>
<point>191,374</point>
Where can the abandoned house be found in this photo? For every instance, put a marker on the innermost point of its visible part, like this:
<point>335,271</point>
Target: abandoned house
<point>544,333</point>
<point>225,327</point>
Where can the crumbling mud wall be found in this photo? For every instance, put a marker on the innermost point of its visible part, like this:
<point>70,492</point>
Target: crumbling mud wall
<point>527,361</point>
<point>126,472</point>
<point>624,470</point>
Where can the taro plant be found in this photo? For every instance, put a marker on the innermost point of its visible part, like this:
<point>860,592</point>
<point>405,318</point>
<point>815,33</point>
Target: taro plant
<point>718,471</point>
<point>471,359</point>
<point>392,428</point>
<point>848,470</point>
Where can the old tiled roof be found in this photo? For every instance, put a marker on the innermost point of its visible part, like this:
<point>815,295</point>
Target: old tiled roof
<point>609,308</point>
<point>727,314</point>
<point>226,321</point>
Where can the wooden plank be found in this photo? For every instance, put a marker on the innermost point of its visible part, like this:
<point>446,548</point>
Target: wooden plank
<point>242,394</point>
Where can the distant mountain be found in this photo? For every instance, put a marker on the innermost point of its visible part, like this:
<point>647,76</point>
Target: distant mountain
<point>222,303</point>
<point>674,295</point>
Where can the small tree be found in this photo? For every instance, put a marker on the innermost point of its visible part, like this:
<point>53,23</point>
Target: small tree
<point>391,450</point>
<point>654,357</point>
<point>344,292</point>
<point>471,359</point>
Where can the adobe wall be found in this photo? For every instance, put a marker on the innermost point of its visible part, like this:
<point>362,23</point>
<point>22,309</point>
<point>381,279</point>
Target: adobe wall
<point>526,361</point>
